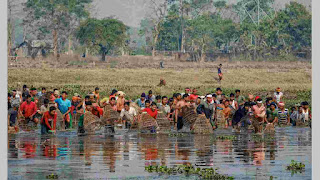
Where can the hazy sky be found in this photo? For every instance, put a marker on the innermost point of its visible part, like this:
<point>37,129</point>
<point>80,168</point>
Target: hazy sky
<point>132,11</point>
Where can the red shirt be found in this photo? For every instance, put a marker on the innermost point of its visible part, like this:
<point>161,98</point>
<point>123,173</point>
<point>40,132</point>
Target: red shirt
<point>29,109</point>
<point>150,112</point>
<point>193,97</point>
<point>47,118</point>
<point>97,111</point>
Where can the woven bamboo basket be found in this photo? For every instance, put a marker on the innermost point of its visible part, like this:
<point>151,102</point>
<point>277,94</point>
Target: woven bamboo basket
<point>189,115</point>
<point>202,125</point>
<point>109,115</point>
<point>91,123</point>
<point>163,123</point>
<point>136,107</point>
<point>221,120</point>
<point>146,121</point>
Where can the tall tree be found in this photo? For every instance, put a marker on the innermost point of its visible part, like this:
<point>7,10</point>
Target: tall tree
<point>104,34</point>
<point>56,16</point>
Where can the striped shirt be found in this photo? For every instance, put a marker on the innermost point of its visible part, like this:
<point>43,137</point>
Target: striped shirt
<point>283,116</point>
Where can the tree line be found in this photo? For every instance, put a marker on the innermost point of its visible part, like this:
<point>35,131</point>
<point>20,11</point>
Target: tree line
<point>252,27</point>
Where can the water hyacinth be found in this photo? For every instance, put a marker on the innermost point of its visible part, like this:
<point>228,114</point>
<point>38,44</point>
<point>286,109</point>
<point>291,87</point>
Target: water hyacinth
<point>203,173</point>
<point>296,167</point>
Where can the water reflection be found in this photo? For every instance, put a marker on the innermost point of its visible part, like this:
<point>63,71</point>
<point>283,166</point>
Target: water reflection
<point>247,157</point>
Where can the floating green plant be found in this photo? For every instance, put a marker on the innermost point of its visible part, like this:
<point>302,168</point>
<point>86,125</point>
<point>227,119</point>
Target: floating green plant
<point>176,134</point>
<point>52,176</point>
<point>204,173</point>
<point>226,137</point>
<point>296,167</point>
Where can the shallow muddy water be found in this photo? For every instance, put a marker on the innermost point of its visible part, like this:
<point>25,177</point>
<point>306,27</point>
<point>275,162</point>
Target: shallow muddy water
<point>125,155</point>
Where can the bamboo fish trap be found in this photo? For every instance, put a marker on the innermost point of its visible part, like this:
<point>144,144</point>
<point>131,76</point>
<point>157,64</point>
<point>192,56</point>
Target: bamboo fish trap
<point>91,123</point>
<point>163,123</point>
<point>109,115</point>
<point>221,120</point>
<point>189,115</point>
<point>146,121</point>
<point>202,125</point>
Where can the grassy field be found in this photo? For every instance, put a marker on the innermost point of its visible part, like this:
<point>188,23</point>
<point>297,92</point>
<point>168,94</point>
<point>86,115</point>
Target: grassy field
<point>294,81</point>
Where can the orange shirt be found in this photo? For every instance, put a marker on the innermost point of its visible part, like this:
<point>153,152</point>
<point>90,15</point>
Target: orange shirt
<point>97,95</point>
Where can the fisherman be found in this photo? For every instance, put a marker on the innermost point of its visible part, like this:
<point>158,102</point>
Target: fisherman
<point>283,115</point>
<point>128,115</point>
<point>48,121</point>
<point>219,94</point>
<point>158,101</point>
<point>96,93</point>
<point>306,111</point>
<point>194,95</point>
<point>25,92</point>
<point>208,109</point>
<point>152,111</point>
<point>259,112</point>
<point>178,110</point>
<point>64,105</point>
<point>15,99</point>
<point>242,112</point>
<point>227,111</point>
<point>239,98</point>
<point>278,95</point>
<point>151,97</point>
<point>164,107</point>
<point>120,101</point>
<point>141,102</point>
<point>272,114</point>
<point>28,110</point>
<point>220,72</point>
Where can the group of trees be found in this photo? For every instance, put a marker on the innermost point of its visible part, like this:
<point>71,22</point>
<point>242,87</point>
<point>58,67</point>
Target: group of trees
<point>250,26</point>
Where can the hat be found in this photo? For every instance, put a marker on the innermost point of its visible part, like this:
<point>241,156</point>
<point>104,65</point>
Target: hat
<point>256,98</point>
<point>76,94</point>
<point>278,89</point>
<point>281,103</point>
<point>209,96</point>
<point>56,92</point>
<point>75,98</point>
<point>120,93</point>
<point>143,95</point>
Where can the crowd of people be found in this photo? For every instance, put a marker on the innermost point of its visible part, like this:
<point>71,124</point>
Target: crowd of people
<point>222,110</point>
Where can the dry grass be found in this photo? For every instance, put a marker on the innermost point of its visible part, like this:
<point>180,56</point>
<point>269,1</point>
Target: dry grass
<point>135,81</point>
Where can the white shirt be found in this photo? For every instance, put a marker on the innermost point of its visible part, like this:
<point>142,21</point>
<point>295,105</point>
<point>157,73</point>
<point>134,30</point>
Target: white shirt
<point>129,114</point>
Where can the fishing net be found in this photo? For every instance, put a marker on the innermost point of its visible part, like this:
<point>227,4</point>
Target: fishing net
<point>269,128</point>
<point>147,122</point>
<point>202,125</point>
<point>163,122</point>
<point>91,123</point>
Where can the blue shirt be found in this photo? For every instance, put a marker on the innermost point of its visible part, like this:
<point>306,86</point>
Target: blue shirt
<point>141,104</point>
<point>63,105</point>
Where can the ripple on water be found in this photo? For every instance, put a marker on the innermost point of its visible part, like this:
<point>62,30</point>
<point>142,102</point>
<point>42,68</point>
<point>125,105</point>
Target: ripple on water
<point>247,156</point>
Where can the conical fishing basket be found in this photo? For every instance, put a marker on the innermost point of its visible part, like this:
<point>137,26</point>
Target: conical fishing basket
<point>202,125</point>
<point>91,123</point>
<point>189,115</point>
<point>147,122</point>
<point>220,120</point>
<point>109,115</point>
<point>163,122</point>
